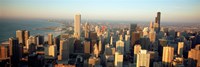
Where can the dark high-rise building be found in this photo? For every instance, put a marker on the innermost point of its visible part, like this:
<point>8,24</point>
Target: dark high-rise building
<point>39,39</point>
<point>133,28</point>
<point>135,37</point>
<point>93,35</point>
<point>157,22</point>
<point>87,47</point>
<point>14,52</point>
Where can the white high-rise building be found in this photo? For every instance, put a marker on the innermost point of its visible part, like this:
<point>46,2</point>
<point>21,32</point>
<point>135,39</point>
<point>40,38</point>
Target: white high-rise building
<point>77,21</point>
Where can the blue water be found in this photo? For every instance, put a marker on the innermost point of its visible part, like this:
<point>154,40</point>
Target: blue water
<point>8,27</point>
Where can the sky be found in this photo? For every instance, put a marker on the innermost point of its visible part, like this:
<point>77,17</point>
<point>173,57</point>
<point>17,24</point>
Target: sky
<point>125,10</point>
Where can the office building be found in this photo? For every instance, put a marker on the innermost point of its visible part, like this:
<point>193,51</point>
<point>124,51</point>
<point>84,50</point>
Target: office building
<point>152,36</point>
<point>87,29</point>
<point>39,39</point>
<point>87,47</point>
<point>120,45</point>
<point>3,52</point>
<point>64,50</point>
<point>52,50</point>
<point>77,24</point>
<point>168,54</point>
<point>50,39</point>
<point>180,48</point>
<point>135,36</point>
<point>26,36</point>
<point>143,59</point>
<point>20,36</point>
<point>118,60</point>
<point>194,58</point>
<point>137,49</point>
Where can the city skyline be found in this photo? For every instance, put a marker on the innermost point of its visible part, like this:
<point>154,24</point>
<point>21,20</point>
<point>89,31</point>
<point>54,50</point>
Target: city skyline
<point>172,11</point>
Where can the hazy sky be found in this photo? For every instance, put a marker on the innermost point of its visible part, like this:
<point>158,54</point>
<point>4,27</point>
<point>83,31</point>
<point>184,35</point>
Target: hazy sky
<point>129,10</point>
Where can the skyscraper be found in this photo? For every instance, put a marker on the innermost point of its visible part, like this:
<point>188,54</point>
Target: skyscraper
<point>3,52</point>
<point>52,50</point>
<point>180,48</point>
<point>194,58</point>
<point>87,47</point>
<point>26,36</point>
<point>15,52</point>
<point>87,29</point>
<point>152,36</point>
<point>120,45</point>
<point>135,36</point>
<point>157,22</point>
<point>158,18</point>
<point>133,28</point>
<point>118,60</point>
<point>168,54</point>
<point>137,49</point>
<point>50,39</point>
<point>77,21</point>
<point>20,36</point>
<point>39,39</point>
<point>64,50</point>
<point>143,59</point>
<point>127,43</point>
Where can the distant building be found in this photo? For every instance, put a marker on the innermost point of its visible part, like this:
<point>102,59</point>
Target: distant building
<point>3,52</point>
<point>100,46</point>
<point>157,22</point>
<point>133,28</point>
<point>145,43</point>
<point>95,51</point>
<point>52,50</point>
<point>87,29</point>
<point>39,39</point>
<point>31,40</point>
<point>26,36</point>
<point>152,36</point>
<point>87,47</point>
<point>137,49</point>
<point>135,36</point>
<point>180,48</point>
<point>50,39</point>
<point>20,36</point>
<point>77,21</point>
<point>127,43</point>
<point>120,45</point>
<point>143,59</point>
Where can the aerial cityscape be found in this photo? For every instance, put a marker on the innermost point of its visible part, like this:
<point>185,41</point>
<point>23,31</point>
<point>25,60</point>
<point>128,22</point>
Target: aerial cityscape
<point>34,39</point>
